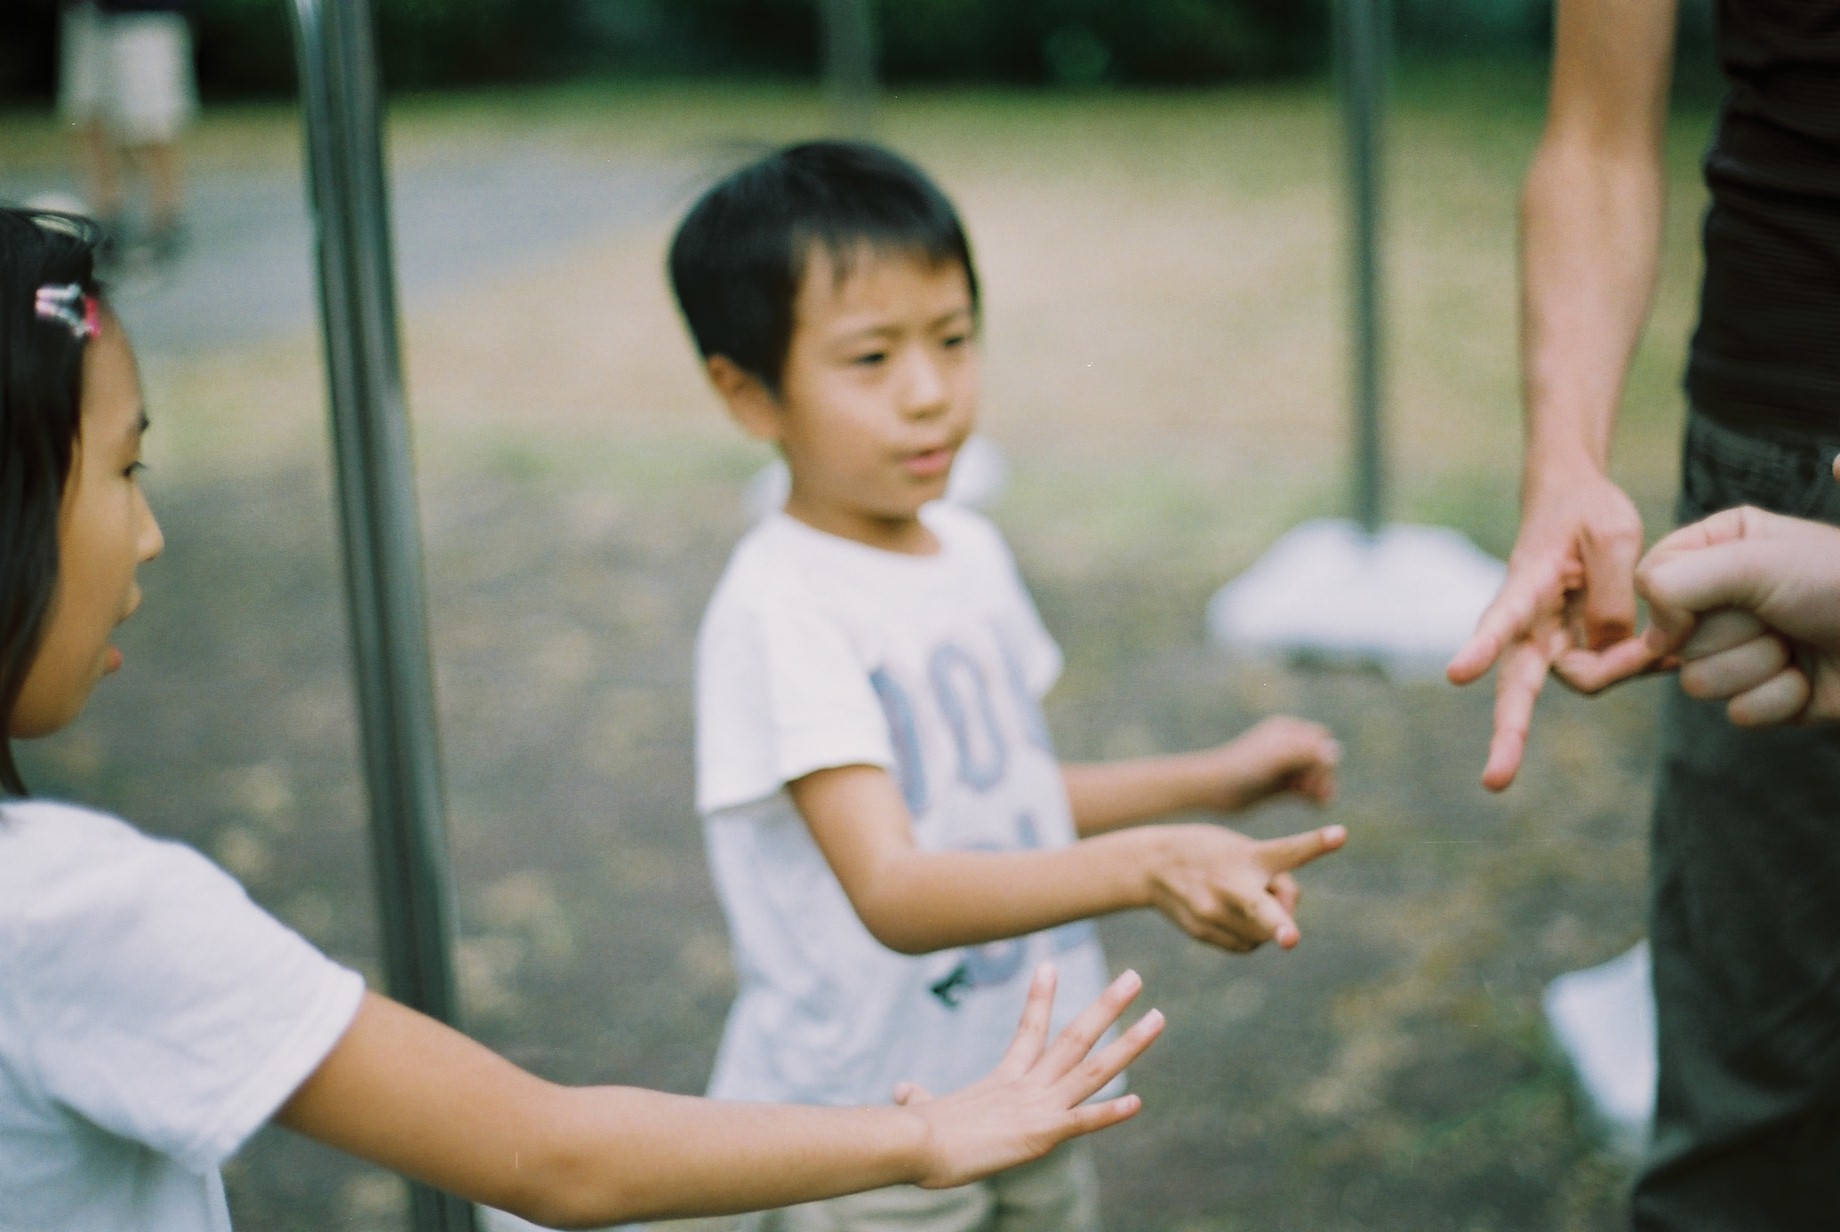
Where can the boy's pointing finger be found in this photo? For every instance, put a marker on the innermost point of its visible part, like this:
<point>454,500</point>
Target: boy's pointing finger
<point>1280,855</point>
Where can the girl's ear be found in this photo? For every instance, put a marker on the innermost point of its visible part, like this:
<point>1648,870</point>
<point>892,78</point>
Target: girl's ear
<point>747,397</point>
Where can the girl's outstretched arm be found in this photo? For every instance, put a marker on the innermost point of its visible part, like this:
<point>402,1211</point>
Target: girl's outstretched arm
<point>406,1092</point>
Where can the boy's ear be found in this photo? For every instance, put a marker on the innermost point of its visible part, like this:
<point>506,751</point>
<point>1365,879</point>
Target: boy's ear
<point>749,401</point>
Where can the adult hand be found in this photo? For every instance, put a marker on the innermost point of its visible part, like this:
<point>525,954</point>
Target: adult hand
<point>1750,601</point>
<point>1568,606</point>
<point>1036,1097</point>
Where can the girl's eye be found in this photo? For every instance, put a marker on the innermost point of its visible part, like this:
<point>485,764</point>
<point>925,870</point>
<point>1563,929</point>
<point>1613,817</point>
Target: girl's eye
<point>134,468</point>
<point>869,359</point>
<point>951,341</point>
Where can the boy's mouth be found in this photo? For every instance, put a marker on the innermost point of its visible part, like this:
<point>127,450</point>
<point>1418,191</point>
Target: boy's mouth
<point>930,462</point>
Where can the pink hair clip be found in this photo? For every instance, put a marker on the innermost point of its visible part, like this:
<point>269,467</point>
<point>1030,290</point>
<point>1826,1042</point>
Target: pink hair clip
<point>67,303</point>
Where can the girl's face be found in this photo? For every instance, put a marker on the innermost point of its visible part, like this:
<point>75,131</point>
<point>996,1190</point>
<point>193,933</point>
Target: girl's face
<point>105,532</point>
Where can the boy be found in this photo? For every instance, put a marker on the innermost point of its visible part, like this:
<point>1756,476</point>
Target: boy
<point>893,840</point>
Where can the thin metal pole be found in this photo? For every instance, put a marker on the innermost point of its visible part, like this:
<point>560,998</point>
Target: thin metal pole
<point>850,55</point>
<point>1362,41</point>
<point>383,559</point>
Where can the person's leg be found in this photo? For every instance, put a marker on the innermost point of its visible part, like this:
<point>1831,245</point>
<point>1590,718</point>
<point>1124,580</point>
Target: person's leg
<point>1057,1193</point>
<point>1745,922</point>
<point>157,96</point>
<point>83,72</point>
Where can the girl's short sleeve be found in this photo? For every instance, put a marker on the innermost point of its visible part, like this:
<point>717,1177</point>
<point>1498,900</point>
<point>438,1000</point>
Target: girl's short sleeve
<point>161,1003</point>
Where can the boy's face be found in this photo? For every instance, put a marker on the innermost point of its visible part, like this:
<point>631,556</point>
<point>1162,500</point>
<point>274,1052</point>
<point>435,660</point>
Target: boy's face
<point>880,389</point>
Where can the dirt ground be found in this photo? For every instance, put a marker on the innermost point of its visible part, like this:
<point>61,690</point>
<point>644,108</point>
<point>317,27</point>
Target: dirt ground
<point>1165,364</point>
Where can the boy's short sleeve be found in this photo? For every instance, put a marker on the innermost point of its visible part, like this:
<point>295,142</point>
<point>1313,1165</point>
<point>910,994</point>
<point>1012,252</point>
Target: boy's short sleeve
<point>159,1002</point>
<point>781,691</point>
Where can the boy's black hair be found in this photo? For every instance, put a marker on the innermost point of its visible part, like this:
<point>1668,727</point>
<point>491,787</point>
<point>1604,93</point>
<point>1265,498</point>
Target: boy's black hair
<point>41,399</point>
<point>741,252</point>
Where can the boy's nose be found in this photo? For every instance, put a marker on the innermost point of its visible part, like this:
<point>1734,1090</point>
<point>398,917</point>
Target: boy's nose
<point>924,390</point>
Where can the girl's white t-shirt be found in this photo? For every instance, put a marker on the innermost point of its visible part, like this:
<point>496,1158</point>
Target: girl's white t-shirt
<point>152,1018</point>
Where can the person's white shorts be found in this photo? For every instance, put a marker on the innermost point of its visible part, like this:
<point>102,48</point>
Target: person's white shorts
<point>132,71</point>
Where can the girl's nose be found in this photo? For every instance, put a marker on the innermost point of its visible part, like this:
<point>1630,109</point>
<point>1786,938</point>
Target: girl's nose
<point>151,542</point>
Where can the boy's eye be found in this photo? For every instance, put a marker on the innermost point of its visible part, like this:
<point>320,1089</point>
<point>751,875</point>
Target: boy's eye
<point>869,359</point>
<point>955,340</point>
<point>134,468</point>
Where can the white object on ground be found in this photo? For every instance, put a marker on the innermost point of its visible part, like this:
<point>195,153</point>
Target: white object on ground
<point>980,474</point>
<point>1604,1019</point>
<point>1403,599</point>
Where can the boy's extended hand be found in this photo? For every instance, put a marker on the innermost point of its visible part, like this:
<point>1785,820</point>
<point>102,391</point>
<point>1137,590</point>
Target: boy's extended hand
<point>1226,889</point>
<point>1036,1097</point>
<point>1274,757</point>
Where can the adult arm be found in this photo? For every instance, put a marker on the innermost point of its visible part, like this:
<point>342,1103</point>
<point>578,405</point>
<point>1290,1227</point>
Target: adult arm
<point>1591,216</point>
<point>1216,884</point>
<point>406,1092</point>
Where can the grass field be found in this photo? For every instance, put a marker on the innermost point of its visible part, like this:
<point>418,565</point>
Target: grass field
<point>1166,360</point>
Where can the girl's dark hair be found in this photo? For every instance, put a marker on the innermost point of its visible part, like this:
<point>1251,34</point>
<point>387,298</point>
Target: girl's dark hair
<point>41,396</point>
<point>741,252</point>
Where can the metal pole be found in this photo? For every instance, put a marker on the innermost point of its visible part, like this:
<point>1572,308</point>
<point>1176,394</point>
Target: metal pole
<point>1362,40</point>
<point>850,55</point>
<point>383,562</point>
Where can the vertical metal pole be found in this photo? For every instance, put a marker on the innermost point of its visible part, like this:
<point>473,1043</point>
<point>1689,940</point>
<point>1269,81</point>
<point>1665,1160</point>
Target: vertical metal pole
<point>383,560</point>
<point>850,55</point>
<point>1362,42</point>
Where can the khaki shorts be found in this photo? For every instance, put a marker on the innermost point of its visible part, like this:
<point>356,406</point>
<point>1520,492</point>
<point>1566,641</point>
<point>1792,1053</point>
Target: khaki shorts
<point>131,71</point>
<point>1058,1193</point>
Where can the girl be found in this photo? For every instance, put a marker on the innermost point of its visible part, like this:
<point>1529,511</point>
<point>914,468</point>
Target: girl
<point>152,1017</point>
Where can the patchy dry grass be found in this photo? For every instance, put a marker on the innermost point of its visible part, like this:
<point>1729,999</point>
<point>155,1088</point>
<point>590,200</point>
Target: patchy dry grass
<point>1166,365</point>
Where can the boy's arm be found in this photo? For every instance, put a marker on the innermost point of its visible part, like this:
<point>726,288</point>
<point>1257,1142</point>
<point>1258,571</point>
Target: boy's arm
<point>1219,886</point>
<point>406,1092</point>
<point>1277,755</point>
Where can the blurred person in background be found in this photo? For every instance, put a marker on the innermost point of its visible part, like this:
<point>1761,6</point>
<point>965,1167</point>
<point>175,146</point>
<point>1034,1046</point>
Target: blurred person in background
<point>127,84</point>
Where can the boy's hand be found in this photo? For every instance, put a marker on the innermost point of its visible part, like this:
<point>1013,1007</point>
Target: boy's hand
<point>1276,756</point>
<point>1036,1098</point>
<point>1231,891</point>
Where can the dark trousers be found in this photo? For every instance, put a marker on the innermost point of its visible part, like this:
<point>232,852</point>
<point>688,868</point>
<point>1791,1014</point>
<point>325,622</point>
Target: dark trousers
<point>1745,919</point>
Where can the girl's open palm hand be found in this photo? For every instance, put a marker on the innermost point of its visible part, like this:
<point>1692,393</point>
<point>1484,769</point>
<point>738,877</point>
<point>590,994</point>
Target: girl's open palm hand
<point>1036,1097</point>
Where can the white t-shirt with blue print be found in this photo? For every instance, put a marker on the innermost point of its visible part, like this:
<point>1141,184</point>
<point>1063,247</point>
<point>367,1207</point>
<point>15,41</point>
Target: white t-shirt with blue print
<point>818,652</point>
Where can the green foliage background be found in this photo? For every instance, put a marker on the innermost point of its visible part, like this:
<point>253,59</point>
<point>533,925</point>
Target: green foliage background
<point>244,47</point>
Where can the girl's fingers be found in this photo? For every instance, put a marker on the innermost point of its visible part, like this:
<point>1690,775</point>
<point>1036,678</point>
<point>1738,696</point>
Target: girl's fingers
<point>1734,669</point>
<point>1079,1036</point>
<point>1090,1118</point>
<point>1780,699</point>
<point>1089,1078</point>
<point>1031,1036</point>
